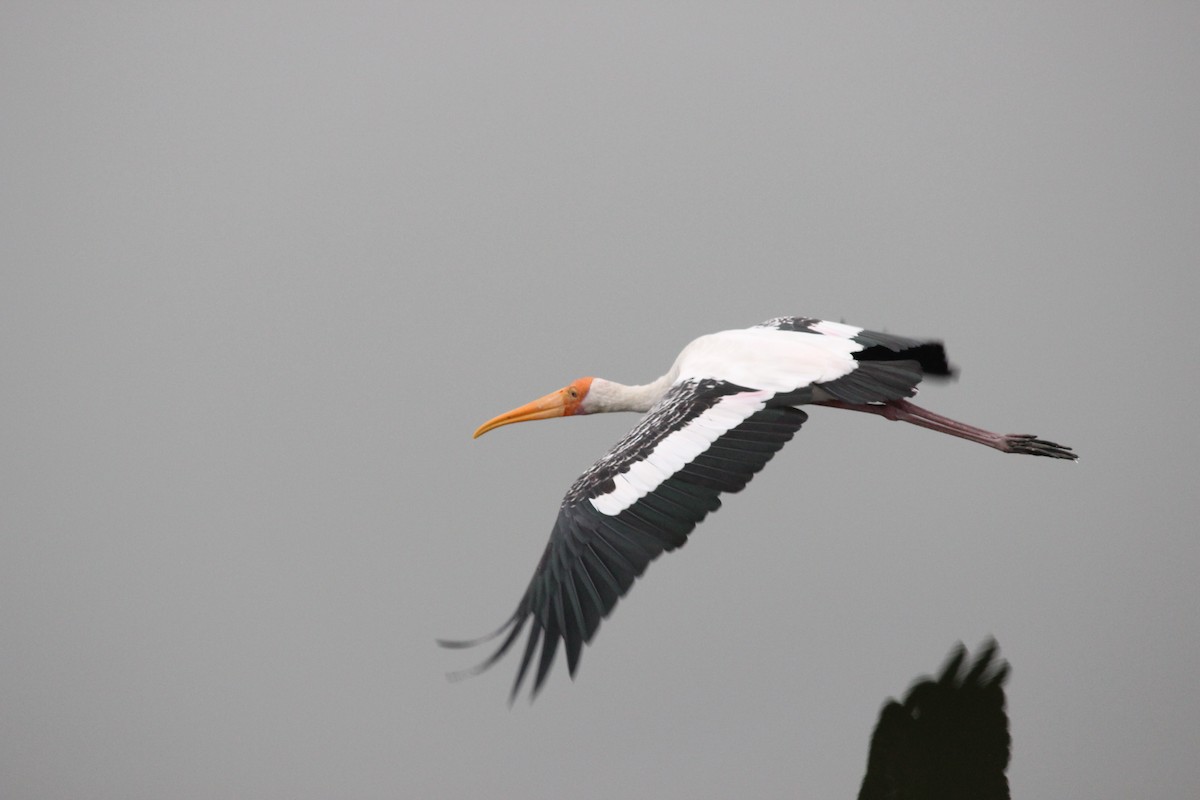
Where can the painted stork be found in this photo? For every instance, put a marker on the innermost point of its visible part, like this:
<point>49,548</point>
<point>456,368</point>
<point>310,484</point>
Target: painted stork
<point>728,403</point>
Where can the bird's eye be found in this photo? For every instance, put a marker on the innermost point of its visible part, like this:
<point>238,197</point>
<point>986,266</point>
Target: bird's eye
<point>573,392</point>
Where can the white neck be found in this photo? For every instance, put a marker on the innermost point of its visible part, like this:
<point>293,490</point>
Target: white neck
<point>612,396</point>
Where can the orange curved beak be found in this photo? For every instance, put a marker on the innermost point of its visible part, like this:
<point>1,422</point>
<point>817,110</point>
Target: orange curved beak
<point>554,404</point>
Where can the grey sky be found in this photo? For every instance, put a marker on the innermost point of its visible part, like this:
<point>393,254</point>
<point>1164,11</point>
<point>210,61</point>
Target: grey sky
<point>267,265</point>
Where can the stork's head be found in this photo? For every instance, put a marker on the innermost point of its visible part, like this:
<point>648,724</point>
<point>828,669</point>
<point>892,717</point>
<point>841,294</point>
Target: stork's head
<point>566,402</point>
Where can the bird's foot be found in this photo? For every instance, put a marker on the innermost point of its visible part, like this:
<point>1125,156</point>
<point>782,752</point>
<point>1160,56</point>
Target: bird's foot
<point>1029,444</point>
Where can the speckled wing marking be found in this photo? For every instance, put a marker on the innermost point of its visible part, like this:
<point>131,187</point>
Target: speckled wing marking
<point>620,515</point>
<point>810,325</point>
<point>682,425</point>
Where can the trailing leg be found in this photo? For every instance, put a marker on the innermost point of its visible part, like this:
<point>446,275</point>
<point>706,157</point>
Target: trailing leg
<point>904,411</point>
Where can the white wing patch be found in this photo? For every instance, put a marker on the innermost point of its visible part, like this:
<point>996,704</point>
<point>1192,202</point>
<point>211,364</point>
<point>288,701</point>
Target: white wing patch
<point>677,449</point>
<point>769,359</point>
<point>836,329</point>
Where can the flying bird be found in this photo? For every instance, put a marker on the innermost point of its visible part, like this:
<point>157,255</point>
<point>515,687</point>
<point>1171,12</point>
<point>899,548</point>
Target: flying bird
<point>727,404</point>
<point>948,739</point>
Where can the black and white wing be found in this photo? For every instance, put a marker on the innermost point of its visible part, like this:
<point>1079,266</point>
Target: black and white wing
<point>886,366</point>
<point>645,496</point>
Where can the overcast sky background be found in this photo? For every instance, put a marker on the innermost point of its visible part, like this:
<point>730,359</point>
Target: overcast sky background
<point>267,265</point>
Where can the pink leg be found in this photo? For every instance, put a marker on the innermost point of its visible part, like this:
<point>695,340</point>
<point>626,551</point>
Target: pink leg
<point>905,411</point>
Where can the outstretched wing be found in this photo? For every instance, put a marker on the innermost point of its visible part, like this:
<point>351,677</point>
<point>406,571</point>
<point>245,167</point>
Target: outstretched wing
<point>887,367</point>
<point>948,739</point>
<point>645,496</point>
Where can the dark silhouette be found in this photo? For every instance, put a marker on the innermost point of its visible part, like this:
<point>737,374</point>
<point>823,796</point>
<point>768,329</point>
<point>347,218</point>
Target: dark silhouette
<point>948,739</point>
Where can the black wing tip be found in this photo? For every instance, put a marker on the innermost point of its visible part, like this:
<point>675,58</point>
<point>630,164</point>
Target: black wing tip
<point>462,644</point>
<point>948,372</point>
<point>930,355</point>
<point>459,675</point>
<point>954,660</point>
<point>514,625</point>
<point>986,669</point>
